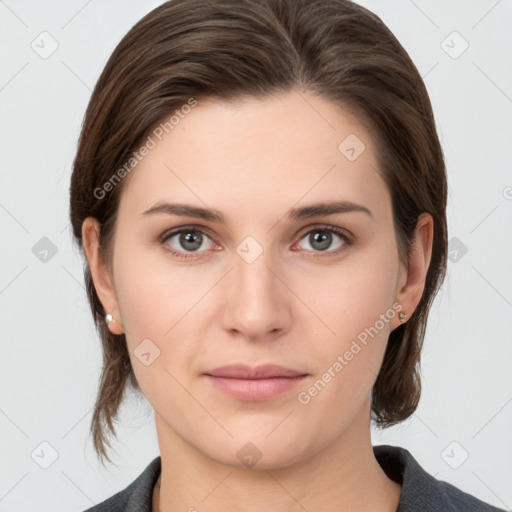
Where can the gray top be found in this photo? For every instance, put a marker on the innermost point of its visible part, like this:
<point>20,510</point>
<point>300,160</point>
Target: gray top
<point>421,492</point>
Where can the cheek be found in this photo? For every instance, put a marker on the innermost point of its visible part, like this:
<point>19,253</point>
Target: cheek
<point>166,311</point>
<point>356,305</point>
<point>152,309</point>
<point>152,297</point>
<point>351,296</point>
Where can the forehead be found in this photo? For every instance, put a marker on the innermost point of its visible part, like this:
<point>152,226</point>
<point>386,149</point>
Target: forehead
<point>257,154</point>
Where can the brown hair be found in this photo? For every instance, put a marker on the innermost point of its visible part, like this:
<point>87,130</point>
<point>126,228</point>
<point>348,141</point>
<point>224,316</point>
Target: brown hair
<point>228,49</point>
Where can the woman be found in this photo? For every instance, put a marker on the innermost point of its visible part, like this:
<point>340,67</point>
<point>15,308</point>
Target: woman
<point>260,195</point>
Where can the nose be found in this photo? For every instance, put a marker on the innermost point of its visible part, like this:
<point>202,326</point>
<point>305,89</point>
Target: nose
<point>257,305</point>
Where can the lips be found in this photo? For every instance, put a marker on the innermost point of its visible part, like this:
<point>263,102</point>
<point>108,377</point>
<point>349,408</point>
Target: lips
<point>254,383</point>
<point>242,371</point>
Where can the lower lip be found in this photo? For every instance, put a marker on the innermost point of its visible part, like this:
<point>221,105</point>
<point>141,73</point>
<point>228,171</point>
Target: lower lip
<point>255,389</point>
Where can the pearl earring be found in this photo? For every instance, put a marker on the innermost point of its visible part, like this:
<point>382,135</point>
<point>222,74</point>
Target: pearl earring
<point>109,318</point>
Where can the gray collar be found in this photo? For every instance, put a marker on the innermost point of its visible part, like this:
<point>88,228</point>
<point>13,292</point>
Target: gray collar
<point>421,492</point>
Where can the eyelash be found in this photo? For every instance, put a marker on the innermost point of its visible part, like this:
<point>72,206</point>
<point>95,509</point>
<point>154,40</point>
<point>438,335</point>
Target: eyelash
<point>347,240</point>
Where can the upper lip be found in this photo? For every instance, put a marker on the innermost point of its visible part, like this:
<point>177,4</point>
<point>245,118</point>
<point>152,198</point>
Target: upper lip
<point>243,371</point>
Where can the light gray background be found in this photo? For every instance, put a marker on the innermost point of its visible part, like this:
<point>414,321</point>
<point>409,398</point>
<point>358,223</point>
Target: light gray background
<point>50,354</point>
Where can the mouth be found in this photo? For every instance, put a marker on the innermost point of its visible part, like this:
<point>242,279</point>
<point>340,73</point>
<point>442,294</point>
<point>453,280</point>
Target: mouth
<point>254,383</point>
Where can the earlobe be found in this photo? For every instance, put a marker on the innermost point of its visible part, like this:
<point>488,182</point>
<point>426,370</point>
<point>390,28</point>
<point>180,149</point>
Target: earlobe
<point>114,326</point>
<point>419,262</point>
<point>100,274</point>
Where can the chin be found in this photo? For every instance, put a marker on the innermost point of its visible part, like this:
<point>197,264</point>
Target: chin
<point>257,452</point>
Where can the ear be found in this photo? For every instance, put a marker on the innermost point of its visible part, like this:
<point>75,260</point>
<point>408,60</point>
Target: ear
<point>412,280</point>
<point>100,274</point>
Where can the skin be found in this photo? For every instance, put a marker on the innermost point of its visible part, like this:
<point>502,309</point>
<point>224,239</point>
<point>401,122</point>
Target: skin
<point>253,161</point>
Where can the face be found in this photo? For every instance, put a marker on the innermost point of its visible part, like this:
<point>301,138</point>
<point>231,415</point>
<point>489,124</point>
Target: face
<point>265,280</point>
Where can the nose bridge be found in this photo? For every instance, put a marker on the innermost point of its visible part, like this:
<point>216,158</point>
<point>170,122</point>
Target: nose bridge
<point>257,304</point>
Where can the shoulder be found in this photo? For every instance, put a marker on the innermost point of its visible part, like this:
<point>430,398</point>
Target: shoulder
<point>421,492</point>
<point>137,497</point>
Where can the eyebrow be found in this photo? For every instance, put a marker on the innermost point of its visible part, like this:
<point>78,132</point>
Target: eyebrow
<point>213,215</point>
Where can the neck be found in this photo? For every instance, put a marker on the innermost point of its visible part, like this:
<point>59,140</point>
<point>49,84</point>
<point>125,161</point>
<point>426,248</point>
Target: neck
<point>345,473</point>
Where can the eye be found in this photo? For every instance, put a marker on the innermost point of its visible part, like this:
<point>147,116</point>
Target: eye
<point>322,237</point>
<point>186,241</point>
